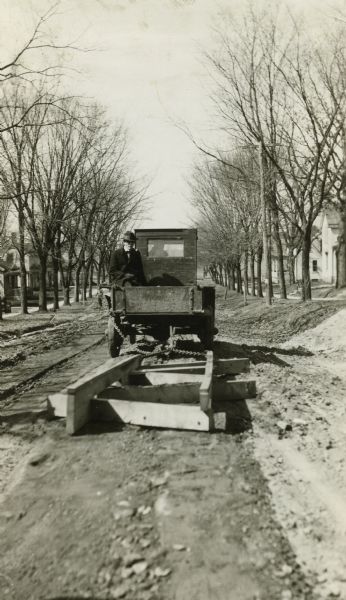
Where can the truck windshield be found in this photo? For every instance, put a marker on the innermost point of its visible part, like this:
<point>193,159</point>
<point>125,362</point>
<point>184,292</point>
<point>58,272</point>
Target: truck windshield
<point>159,248</point>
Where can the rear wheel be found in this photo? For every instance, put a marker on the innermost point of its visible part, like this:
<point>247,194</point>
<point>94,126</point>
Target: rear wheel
<point>160,333</point>
<point>206,334</point>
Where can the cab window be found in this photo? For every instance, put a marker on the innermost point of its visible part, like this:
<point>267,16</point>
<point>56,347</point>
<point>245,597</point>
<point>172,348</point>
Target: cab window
<point>159,248</point>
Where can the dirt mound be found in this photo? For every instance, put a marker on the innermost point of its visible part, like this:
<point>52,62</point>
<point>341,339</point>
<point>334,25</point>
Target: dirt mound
<point>329,335</point>
<point>270,324</point>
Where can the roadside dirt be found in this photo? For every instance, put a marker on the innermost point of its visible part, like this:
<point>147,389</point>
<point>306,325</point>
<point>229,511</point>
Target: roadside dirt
<point>255,513</point>
<point>23,336</point>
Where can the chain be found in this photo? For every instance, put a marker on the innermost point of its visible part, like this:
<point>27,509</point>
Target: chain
<point>167,352</point>
<point>189,353</point>
<point>163,351</point>
<point>118,330</point>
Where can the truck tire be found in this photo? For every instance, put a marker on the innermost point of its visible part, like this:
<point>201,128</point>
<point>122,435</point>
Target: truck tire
<point>161,332</point>
<point>206,334</point>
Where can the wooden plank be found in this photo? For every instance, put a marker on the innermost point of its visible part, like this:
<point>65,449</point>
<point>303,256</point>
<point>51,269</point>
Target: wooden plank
<point>157,378</point>
<point>114,369</point>
<point>80,393</point>
<point>77,413</point>
<point>170,416</point>
<point>232,366</point>
<point>223,390</point>
<point>205,390</point>
<point>195,367</point>
<point>161,394</point>
<point>159,299</point>
<point>57,404</point>
<point>228,366</point>
<point>233,390</point>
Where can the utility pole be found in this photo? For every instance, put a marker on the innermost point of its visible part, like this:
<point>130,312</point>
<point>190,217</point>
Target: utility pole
<point>264,227</point>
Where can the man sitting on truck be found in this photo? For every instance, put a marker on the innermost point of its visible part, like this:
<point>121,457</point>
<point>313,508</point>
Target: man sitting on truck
<point>126,267</point>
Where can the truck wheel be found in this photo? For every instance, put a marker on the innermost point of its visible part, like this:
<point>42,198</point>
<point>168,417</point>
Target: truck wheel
<point>206,341</point>
<point>114,339</point>
<point>206,335</point>
<point>160,333</point>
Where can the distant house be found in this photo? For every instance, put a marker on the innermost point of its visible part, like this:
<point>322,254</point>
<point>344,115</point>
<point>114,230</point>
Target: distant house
<point>315,262</point>
<point>329,237</point>
<point>10,274</point>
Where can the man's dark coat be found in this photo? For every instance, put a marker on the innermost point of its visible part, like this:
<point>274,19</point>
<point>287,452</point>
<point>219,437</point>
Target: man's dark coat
<point>123,265</point>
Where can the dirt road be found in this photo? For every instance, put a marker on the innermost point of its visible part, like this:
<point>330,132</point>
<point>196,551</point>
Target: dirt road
<point>257,512</point>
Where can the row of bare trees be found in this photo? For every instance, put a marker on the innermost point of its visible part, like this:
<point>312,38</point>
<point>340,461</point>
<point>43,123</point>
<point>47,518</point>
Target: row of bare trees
<point>280,103</point>
<point>65,176</point>
<point>65,173</point>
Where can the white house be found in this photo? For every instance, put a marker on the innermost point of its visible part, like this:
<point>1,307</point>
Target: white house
<point>315,262</point>
<point>329,237</point>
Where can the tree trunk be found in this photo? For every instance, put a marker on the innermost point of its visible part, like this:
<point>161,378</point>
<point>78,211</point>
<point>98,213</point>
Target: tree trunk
<point>55,265</point>
<point>42,293</point>
<point>85,273</point>
<point>233,278</point>
<point>230,271</point>
<point>238,271</point>
<point>77,283</point>
<point>22,267</point>
<point>306,282</point>
<point>341,248</point>
<point>66,296</point>
<point>252,274</point>
<point>291,266</point>
<point>220,275</point>
<point>259,272</point>
<point>246,274</point>
<point>99,271</point>
<point>66,282</point>
<point>270,266</point>
<point>341,255</point>
<point>65,276</point>
<point>91,275</point>
<point>280,254</point>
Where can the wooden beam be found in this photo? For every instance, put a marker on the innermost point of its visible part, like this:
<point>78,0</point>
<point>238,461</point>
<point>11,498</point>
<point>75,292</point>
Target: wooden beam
<point>205,391</point>
<point>228,366</point>
<point>233,390</point>
<point>231,366</point>
<point>57,403</point>
<point>80,393</point>
<point>150,414</point>
<point>179,393</point>
<point>77,413</point>
<point>160,377</point>
<point>195,367</point>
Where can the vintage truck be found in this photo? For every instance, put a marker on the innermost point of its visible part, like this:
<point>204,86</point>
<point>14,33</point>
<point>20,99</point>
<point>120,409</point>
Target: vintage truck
<point>172,301</point>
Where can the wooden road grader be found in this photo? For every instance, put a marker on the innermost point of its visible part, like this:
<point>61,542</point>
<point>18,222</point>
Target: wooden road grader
<point>178,394</point>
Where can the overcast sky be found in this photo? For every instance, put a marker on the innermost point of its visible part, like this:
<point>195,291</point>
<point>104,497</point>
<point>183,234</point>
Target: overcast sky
<point>147,68</point>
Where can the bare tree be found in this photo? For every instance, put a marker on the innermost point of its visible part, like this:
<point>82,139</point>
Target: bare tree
<point>228,205</point>
<point>274,90</point>
<point>20,68</point>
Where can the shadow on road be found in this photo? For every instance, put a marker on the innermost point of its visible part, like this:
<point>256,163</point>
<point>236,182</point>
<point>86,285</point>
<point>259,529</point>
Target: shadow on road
<point>237,414</point>
<point>258,354</point>
<point>97,427</point>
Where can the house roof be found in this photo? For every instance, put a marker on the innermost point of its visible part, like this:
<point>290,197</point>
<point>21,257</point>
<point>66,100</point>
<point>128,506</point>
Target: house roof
<point>333,217</point>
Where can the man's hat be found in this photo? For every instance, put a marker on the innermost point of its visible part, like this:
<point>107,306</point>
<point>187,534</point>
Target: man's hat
<point>129,236</point>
